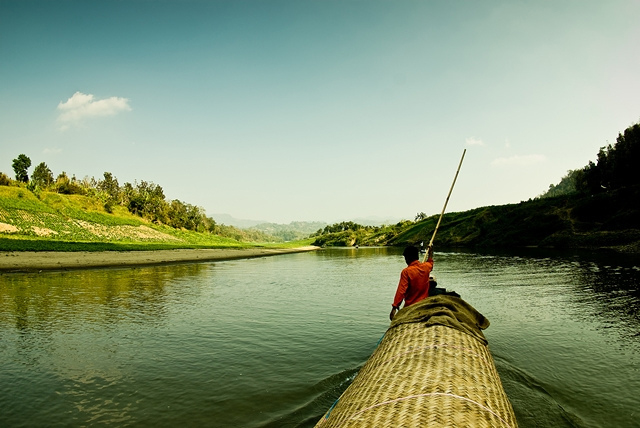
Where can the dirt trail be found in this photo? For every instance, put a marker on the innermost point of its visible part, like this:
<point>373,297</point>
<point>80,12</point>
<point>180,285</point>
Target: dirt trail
<point>31,261</point>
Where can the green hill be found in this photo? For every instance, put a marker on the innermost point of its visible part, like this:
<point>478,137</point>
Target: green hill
<point>605,220</point>
<point>54,221</point>
<point>597,206</point>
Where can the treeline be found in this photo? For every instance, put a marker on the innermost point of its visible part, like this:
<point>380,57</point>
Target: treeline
<point>293,231</point>
<point>349,234</point>
<point>343,226</point>
<point>595,206</point>
<point>616,167</point>
<point>144,199</point>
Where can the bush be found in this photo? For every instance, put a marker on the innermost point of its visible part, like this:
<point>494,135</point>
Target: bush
<point>4,179</point>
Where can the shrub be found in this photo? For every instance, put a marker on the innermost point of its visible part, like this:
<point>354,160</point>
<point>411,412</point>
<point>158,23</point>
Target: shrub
<point>4,179</point>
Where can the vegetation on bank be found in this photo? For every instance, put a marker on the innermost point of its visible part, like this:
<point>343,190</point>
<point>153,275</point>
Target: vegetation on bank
<point>597,206</point>
<point>294,231</point>
<point>593,207</point>
<point>57,222</point>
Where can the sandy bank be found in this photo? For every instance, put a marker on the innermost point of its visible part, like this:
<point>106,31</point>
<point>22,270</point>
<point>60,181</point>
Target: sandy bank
<point>30,261</point>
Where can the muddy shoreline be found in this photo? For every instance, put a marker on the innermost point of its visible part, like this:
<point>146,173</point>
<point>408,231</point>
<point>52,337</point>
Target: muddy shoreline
<point>35,261</point>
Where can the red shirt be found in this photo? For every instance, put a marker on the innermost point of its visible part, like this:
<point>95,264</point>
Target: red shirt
<point>414,283</point>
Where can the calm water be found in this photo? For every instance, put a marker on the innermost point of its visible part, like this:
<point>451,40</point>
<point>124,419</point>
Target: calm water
<point>272,342</point>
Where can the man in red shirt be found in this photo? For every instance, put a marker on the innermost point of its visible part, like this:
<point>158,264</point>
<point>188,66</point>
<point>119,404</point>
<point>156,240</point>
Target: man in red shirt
<point>414,279</point>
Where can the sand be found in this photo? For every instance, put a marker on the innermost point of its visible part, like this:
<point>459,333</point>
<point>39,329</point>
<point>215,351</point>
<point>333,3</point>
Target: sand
<point>32,261</point>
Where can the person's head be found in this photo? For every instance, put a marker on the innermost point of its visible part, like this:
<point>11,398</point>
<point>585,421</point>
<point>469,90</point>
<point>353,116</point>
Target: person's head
<point>432,281</point>
<point>411,254</point>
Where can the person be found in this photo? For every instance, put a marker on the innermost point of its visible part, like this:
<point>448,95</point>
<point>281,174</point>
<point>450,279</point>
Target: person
<point>434,290</point>
<point>414,279</point>
<point>433,284</point>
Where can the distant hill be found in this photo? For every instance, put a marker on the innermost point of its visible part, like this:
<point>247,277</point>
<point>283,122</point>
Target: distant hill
<point>285,232</point>
<point>597,206</point>
<point>290,232</point>
<point>237,222</point>
<point>246,223</point>
<point>605,220</point>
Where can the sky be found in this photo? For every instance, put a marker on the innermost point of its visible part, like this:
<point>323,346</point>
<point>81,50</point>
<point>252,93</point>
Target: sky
<point>319,110</point>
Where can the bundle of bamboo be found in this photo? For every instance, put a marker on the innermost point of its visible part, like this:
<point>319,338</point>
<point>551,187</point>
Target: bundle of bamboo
<point>427,373</point>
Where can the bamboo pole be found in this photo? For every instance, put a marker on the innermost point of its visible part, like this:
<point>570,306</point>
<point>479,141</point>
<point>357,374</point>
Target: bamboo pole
<point>444,207</point>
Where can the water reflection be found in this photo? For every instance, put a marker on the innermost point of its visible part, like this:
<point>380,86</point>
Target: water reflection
<point>273,341</point>
<point>67,336</point>
<point>594,284</point>
<point>41,301</point>
<point>612,292</point>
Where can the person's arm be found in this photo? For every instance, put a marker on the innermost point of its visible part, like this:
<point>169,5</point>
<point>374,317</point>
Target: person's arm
<point>400,293</point>
<point>394,309</point>
<point>430,253</point>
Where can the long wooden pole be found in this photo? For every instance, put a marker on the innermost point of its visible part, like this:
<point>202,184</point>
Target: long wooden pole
<point>445,206</point>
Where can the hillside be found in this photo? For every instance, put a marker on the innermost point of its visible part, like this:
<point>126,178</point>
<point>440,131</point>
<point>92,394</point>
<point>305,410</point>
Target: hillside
<point>597,206</point>
<point>74,222</point>
<point>604,220</point>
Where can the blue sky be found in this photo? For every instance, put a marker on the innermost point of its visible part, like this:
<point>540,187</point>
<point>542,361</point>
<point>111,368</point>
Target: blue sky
<point>318,110</point>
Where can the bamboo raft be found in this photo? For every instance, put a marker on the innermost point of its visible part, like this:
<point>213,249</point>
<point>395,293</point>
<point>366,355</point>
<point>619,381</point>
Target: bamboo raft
<point>432,368</point>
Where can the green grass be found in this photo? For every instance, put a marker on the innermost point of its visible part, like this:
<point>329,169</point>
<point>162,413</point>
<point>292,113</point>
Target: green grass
<point>89,209</point>
<point>35,244</point>
<point>56,222</point>
<point>13,244</point>
<point>22,199</point>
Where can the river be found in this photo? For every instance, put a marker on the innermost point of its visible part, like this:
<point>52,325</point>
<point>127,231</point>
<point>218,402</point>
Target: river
<point>272,342</point>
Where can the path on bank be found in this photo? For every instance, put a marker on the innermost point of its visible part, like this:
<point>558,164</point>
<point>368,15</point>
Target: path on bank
<point>34,261</point>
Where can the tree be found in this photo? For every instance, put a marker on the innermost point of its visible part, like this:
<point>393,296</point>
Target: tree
<point>4,179</point>
<point>110,191</point>
<point>109,185</point>
<point>569,184</point>
<point>63,184</point>
<point>20,166</point>
<point>186,216</point>
<point>146,200</point>
<point>420,216</point>
<point>616,166</point>
<point>42,175</point>
<point>68,186</point>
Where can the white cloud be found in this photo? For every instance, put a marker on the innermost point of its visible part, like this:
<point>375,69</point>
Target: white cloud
<point>473,141</point>
<point>519,160</point>
<point>81,106</point>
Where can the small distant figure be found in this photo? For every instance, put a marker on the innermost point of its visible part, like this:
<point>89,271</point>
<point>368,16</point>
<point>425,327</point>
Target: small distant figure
<point>414,279</point>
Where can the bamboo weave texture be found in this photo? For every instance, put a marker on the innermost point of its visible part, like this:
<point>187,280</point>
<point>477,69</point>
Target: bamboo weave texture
<point>421,376</point>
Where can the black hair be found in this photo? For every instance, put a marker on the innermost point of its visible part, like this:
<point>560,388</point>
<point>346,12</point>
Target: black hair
<point>411,253</point>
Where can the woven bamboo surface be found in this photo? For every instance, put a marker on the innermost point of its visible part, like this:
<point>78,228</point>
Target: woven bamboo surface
<point>422,376</point>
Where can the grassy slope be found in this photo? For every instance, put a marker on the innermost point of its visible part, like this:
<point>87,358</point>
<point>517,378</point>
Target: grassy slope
<point>78,223</point>
<point>604,220</point>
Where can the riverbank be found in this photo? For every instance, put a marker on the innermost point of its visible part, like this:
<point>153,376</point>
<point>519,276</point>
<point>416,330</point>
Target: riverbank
<point>34,261</point>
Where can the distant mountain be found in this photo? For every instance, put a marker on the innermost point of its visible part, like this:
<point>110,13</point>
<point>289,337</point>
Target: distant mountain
<point>237,222</point>
<point>229,220</point>
<point>287,232</point>
<point>293,231</point>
